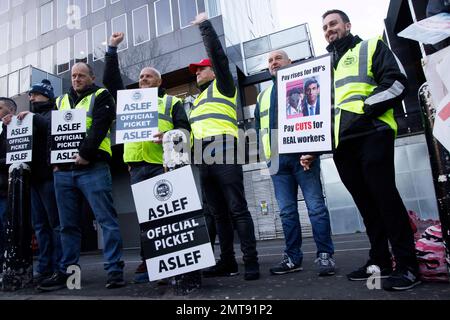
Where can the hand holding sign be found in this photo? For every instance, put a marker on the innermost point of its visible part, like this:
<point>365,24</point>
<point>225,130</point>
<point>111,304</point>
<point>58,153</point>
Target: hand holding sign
<point>80,160</point>
<point>306,161</point>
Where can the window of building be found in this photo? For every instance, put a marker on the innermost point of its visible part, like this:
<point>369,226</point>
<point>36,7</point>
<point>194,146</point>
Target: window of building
<point>63,56</point>
<point>99,41</point>
<point>16,64</point>
<point>4,86</point>
<point>3,70</point>
<point>47,17</point>
<point>13,84</point>
<point>213,8</point>
<point>25,79</point>
<point>46,62</point>
<point>31,59</point>
<point>188,9</point>
<point>17,32</point>
<point>141,26</point>
<point>98,5</point>
<point>61,12</point>
<point>4,6</point>
<point>80,46</point>
<point>31,25</point>
<point>163,17</point>
<point>82,6</point>
<point>119,24</point>
<point>4,37</point>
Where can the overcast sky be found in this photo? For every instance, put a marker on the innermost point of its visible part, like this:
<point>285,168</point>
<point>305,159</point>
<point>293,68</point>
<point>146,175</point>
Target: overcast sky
<point>367,17</point>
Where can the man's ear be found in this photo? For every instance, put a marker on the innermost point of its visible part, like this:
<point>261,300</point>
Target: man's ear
<point>348,27</point>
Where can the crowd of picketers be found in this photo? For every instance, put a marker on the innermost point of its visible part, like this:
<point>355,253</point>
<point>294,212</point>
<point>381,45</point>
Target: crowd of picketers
<point>369,83</point>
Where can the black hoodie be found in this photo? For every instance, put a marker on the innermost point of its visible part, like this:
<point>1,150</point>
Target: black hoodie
<point>40,165</point>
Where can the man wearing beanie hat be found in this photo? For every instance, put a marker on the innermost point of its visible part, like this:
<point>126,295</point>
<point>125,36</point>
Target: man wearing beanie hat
<point>44,211</point>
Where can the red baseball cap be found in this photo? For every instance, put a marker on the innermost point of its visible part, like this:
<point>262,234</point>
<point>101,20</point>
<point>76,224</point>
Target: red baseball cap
<point>203,63</point>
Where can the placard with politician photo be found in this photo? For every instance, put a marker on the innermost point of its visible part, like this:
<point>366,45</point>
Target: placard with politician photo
<point>305,122</point>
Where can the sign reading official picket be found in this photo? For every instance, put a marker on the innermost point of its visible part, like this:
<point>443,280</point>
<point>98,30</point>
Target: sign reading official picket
<point>68,130</point>
<point>304,107</point>
<point>137,115</point>
<point>174,235</point>
<point>19,137</point>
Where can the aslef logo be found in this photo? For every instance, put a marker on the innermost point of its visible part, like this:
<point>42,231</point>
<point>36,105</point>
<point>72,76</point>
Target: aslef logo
<point>74,280</point>
<point>68,116</point>
<point>163,190</point>
<point>374,281</point>
<point>137,96</point>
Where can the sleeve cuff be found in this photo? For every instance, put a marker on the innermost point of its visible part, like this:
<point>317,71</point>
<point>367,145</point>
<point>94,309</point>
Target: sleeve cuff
<point>112,50</point>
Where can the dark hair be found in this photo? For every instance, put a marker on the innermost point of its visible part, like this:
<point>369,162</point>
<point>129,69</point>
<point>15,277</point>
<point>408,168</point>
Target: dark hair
<point>343,15</point>
<point>294,91</point>
<point>311,81</point>
<point>10,103</point>
<point>90,70</point>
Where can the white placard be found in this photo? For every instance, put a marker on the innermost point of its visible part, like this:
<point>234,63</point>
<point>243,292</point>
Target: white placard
<point>166,195</point>
<point>304,107</point>
<point>137,115</point>
<point>180,262</point>
<point>19,140</point>
<point>68,130</point>
<point>429,31</point>
<point>174,234</point>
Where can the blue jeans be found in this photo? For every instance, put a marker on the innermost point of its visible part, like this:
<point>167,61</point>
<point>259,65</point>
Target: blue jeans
<point>44,214</point>
<point>95,184</point>
<point>286,181</point>
<point>3,216</point>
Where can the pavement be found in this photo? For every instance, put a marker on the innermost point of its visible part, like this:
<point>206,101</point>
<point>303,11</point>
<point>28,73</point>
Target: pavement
<point>351,252</point>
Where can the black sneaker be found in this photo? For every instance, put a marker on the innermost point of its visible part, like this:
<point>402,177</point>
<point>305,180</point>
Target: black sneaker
<point>251,271</point>
<point>222,269</point>
<point>285,266</point>
<point>39,277</point>
<point>115,280</point>
<point>367,271</point>
<point>56,282</point>
<point>402,279</point>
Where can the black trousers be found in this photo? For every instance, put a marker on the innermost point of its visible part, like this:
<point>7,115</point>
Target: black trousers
<point>366,167</point>
<point>223,188</point>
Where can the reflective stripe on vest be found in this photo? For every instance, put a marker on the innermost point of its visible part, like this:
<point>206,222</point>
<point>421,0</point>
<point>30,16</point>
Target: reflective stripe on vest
<point>264,115</point>
<point>87,103</point>
<point>148,151</point>
<point>354,82</point>
<point>213,114</point>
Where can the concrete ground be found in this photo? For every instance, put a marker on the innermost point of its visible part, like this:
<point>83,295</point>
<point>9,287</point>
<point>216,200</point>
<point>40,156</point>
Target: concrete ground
<point>351,252</point>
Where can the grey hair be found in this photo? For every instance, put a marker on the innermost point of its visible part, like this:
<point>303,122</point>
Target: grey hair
<point>155,71</point>
<point>90,69</point>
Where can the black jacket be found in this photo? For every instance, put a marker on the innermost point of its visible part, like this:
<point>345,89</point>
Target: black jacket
<point>112,80</point>
<point>221,67</point>
<point>3,166</point>
<point>40,165</point>
<point>392,88</point>
<point>219,60</point>
<point>103,114</point>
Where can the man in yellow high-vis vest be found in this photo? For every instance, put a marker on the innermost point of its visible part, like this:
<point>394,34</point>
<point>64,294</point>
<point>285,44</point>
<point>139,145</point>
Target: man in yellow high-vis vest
<point>293,171</point>
<point>369,82</point>
<point>213,120</point>
<point>145,159</point>
<point>90,177</point>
